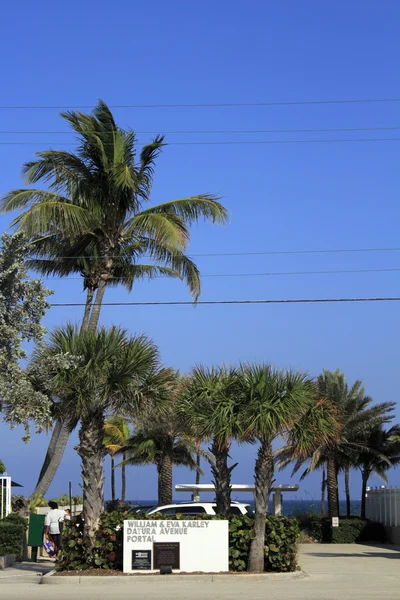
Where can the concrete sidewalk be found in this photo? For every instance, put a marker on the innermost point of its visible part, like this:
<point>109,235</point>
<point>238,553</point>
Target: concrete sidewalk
<point>335,572</point>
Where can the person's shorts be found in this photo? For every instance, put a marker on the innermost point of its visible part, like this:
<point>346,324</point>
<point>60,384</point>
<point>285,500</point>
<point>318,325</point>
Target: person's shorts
<point>55,538</point>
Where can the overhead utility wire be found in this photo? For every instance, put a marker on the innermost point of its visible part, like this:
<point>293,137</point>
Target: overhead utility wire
<point>221,143</point>
<point>209,105</point>
<point>263,253</point>
<point>214,302</point>
<point>219,131</point>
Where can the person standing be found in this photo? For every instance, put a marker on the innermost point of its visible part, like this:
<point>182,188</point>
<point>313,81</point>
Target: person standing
<point>52,522</point>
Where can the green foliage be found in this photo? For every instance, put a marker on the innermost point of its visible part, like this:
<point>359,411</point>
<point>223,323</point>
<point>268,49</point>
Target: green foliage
<point>281,535</point>
<point>22,307</point>
<point>350,531</point>
<point>12,538</point>
<point>18,519</point>
<point>2,467</point>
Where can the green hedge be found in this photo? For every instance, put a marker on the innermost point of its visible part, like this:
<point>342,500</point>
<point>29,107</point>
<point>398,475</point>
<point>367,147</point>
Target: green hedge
<point>12,538</point>
<point>350,531</point>
<point>280,542</point>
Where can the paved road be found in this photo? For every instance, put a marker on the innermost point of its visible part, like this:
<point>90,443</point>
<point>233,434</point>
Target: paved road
<point>335,572</point>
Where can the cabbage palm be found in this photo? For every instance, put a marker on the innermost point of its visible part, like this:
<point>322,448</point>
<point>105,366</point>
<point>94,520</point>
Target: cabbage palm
<point>92,221</point>
<point>109,373</point>
<point>274,400</point>
<point>356,415</point>
<point>116,433</point>
<point>213,402</point>
<point>381,452</point>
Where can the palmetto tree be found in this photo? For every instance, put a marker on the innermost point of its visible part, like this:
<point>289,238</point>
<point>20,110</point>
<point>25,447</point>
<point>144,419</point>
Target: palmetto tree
<point>274,401</point>
<point>92,220</point>
<point>116,433</point>
<point>111,375</point>
<point>356,415</point>
<point>213,402</point>
<point>381,452</point>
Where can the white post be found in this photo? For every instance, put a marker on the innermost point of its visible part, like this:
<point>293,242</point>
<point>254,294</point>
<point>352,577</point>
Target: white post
<point>277,503</point>
<point>5,496</point>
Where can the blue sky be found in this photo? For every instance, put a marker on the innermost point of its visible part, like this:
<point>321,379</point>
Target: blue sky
<point>281,197</point>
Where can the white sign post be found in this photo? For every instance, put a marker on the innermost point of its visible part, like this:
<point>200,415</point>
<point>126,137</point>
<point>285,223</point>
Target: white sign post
<point>335,521</point>
<point>185,546</point>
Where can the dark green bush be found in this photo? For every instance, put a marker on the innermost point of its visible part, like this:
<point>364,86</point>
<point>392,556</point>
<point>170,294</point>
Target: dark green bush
<point>280,543</point>
<point>18,519</point>
<point>12,538</point>
<point>351,530</point>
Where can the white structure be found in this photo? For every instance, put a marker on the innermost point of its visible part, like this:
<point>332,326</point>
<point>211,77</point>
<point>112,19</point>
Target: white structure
<point>5,496</point>
<point>277,490</point>
<point>187,546</point>
<point>383,506</point>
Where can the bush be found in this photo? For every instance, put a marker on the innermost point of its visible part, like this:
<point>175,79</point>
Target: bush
<point>351,530</point>
<point>15,518</point>
<point>11,538</point>
<point>280,542</point>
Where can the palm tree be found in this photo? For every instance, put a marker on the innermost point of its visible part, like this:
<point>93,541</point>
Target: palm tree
<point>274,401</point>
<point>109,375</point>
<point>91,221</point>
<point>212,402</point>
<point>381,451</point>
<point>356,415</point>
<point>116,433</point>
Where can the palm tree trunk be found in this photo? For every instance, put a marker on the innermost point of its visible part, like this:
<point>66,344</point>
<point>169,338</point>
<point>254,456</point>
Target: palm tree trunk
<point>323,487</point>
<point>264,471</point>
<point>198,463</point>
<point>337,492</point>
<point>88,308</point>
<point>112,478</point>
<point>347,488</point>
<point>365,477</point>
<point>60,435</point>
<point>165,480</point>
<point>95,314</point>
<point>222,477</point>
<point>123,478</point>
<point>47,474</point>
<point>332,489</point>
<point>91,450</point>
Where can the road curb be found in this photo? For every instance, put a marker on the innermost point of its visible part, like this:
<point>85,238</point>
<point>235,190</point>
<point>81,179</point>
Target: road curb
<point>52,579</point>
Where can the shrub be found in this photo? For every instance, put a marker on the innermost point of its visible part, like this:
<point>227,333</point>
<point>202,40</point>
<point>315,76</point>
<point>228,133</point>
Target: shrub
<point>15,518</point>
<point>280,542</point>
<point>11,538</point>
<point>351,530</point>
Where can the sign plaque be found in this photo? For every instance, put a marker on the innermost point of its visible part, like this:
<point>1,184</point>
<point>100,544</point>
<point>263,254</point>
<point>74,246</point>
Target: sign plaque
<point>335,521</point>
<point>166,554</point>
<point>141,560</point>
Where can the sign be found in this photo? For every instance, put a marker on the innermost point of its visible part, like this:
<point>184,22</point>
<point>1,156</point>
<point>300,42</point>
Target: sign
<point>166,554</point>
<point>335,521</point>
<point>186,546</point>
<point>141,560</point>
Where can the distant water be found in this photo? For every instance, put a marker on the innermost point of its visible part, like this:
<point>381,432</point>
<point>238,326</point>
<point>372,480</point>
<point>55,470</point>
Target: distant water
<point>291,508</point>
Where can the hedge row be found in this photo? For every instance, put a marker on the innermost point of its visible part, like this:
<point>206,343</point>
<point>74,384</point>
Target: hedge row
<point>351,530</point>
<point>12,538</point>
<point>280,543</point>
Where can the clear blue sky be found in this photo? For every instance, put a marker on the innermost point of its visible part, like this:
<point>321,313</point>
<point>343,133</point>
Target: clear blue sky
<point>281,197</point>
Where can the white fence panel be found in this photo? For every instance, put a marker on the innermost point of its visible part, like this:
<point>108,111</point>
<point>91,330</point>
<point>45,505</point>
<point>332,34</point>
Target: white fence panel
<point>383,506</point>
<point>5,496</point>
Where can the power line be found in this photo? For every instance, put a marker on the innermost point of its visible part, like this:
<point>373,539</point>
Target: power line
<point>268,274</point>
<point>220,143</point>
<point>215,302</point>
<point>262,253</point>
<point>220,131</point>
<point>209,105</point>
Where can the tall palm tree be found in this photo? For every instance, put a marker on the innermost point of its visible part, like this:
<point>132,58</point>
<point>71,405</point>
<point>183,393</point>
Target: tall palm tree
<point>212,402</point>
<point>380,452</point>
<point>110,375</point>
<point>274,401</point>
<point>356,415</point>
<point>91,221</point>
<point>116,433</point>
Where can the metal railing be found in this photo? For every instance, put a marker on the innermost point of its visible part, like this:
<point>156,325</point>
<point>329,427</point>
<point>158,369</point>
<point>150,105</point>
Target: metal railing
<point>383,506</point>
<point>5,496</point>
